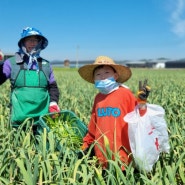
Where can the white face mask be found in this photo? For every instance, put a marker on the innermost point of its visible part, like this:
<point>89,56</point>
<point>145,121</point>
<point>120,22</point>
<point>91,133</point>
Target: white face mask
<point>106,86</point>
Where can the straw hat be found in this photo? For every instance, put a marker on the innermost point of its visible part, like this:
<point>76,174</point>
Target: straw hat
<point>86,72</point>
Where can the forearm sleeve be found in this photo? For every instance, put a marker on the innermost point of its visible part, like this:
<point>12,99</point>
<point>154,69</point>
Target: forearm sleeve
<point>2,75</point>
<point>54,92</point>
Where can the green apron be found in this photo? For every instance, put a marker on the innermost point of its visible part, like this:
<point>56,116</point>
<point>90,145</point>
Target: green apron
<point>29,97</point>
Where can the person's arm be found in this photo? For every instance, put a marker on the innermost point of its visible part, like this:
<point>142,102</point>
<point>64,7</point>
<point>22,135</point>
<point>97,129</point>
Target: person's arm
<point>89,138</point>
<point>54,94</point>
<point>142,109</point>
<point>87,141</point>
<point>5,71</point>
<point>2,75</point>
<point>142,96</point>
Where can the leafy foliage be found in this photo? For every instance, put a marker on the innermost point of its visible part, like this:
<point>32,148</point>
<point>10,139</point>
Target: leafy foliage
<point>31,159</point>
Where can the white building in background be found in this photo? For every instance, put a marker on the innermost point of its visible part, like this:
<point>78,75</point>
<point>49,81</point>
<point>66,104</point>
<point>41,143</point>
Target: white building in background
<point>159,65</point>
<point>156,64</point>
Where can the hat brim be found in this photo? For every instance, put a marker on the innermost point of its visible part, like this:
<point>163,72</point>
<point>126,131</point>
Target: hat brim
<point>86,72</point>
<point>43,45</point>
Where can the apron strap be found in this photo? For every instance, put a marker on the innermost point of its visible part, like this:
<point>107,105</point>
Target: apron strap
<point>40,63</point>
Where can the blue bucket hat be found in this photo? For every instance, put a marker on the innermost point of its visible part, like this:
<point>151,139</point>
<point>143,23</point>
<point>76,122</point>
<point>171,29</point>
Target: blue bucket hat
<point>28,31</point>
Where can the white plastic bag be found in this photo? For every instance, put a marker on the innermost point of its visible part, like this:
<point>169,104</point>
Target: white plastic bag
<point>148,136</point>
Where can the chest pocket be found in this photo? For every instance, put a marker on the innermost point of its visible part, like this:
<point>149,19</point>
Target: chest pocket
<point>31,78</point>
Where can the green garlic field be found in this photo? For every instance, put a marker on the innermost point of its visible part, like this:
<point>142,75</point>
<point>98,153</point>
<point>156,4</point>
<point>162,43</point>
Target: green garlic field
<point>29,160</point>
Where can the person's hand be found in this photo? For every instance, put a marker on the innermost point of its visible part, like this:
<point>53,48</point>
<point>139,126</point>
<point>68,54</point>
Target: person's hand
<point>143,92</point>
<point>86,150</point>
<point>84,146</point>
<point>53,107</point>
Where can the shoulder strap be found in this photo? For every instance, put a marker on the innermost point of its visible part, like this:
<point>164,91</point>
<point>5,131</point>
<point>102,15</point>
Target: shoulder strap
<point>40,63</point>
<point>22,66</point>
<point>44,66</point>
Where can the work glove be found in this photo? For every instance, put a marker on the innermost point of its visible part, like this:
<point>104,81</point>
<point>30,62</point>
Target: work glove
<point>143,92</point>
<point>86,150</point>
<point>53,107</point>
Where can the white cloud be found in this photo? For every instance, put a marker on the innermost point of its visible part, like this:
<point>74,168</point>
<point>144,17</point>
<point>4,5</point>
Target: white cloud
<point>178,18</point>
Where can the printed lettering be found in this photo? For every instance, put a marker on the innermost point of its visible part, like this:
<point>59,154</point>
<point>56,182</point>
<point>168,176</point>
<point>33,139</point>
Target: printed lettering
<point>108,111</point>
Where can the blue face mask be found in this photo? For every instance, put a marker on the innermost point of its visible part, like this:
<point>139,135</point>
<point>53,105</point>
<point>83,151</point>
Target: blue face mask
<point>106,86</point>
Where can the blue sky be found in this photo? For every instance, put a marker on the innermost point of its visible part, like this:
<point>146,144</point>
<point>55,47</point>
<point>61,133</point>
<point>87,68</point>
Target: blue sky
<point>85,29</point>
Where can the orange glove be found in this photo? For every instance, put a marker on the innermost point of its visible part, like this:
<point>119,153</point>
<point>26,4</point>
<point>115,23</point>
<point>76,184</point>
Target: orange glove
<point>84,146</point>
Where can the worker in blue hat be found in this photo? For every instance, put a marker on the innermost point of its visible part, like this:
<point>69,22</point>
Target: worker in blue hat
<point>34,90</point>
